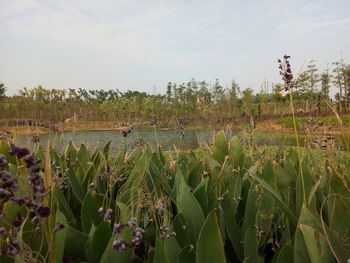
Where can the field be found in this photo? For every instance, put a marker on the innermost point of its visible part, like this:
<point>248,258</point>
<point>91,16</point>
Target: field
<point>233,203</point>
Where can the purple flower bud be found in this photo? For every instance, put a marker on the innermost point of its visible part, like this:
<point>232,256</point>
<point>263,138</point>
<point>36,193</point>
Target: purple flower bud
<point>3,161</point>
<point>117,244</point>
<point>100,211</point>
<point>3,231</point>
<point>20,152</point>
<point>132,222</point>
<point>44,211</point>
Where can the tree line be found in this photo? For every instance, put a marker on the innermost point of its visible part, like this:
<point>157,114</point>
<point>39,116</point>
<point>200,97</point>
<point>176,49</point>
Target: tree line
<point>191,102</point>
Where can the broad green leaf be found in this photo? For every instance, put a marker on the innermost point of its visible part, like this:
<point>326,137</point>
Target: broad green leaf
<point>106,149</point>
<point>189,207</point>
<point>286,254</point>
<point>75,244</point>
<point>182,235</point>
<point>89,213</point>
<point>251,246</point>
<point>111,255</point>
<point>99,242</point>
<point>210,247</point>
<point>187,255</point>
<point>84,157</point>
<point>160,255</point>
<point>220,150</point>
<point>78,191</point>
<point>316,244</point>
<point>60,236</point>
<point>201,194</point>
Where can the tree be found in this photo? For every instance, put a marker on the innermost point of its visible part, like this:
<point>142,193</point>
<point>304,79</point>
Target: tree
<point>339,80</point>
<point>325,84</point>
<point>233,98</point>
<point>2,90</point>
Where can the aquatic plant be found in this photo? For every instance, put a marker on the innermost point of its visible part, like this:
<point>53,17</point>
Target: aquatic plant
<point>228,204</point>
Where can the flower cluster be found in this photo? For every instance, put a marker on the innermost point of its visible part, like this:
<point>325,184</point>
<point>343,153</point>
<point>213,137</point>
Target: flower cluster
<point>8,185</point>
<point>286,72</point>
<point>37,209</point>
<point>108,215</point>
<point>154,121</point>
<point>136,144</point>
<point>31,161</point>
<point>12,248</point>
<point>3,160</point>
<point>10,245</point>
<point>159,208</point>
<point>180,131</point>
<point>35,139</point>
<point>164,232</point>
<point>20,152</point>
<point>137,237</point>
<point>63,180</point>
<point>126,130</point>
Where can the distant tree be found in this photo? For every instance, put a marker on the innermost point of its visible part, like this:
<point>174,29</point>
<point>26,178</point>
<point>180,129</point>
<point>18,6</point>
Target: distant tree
<point>248,101</point>
<point>169,91</point>
<point>233,98</point>
<point>325,84</point>
<point>2,90</point>
<point>339,80</point>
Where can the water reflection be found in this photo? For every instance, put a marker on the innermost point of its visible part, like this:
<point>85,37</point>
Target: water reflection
<point>167,139</point>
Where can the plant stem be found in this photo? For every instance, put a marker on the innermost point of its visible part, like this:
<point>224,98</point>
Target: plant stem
<point>298,147</point>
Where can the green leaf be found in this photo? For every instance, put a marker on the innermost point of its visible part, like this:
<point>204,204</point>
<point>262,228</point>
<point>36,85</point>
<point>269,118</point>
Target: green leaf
<point>111,255</point>
<point>89,213</point>
<point>189,207</point>
<point>316,244</point>
<point>60,236</point>
<point>84,157</point>
<point>64,207</point>
<point>75,244</point>
<point>286,254</point>
<point>277,196</point>
<point>251,246</point>
<point>187,255</point>
<point>106,149</point>
<point>229,210</point>
<point>201,194</point>
<point>76,187</point>
<point>160,255</point>
<point>180,228</point>
<point>99,242</point>
<point>210,247</point>
<point>219,150</point>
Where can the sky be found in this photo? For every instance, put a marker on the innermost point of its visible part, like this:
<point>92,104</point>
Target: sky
<point>142,45</point>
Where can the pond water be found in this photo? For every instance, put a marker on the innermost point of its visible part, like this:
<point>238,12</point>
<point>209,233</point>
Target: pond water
<point>167,139</point>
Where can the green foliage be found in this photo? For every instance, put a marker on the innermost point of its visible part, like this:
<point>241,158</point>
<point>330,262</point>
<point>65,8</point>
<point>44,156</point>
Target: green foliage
<point>303,122</point>
<point>229,204</point>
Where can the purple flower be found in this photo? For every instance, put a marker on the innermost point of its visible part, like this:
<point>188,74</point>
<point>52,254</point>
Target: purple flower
<point>100,211</point>
<point>20,152</point>
<point>31,161</point>
<point>36,139</point>
<point>44,211</point>
<point>286,72</point>
<point>154,120</point>
<point>3,161</point>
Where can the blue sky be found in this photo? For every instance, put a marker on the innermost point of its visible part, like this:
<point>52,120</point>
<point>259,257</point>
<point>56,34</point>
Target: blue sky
<point>124,44</point>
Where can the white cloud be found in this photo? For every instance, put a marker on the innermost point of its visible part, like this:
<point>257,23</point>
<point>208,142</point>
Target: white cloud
<point>302,26</point>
